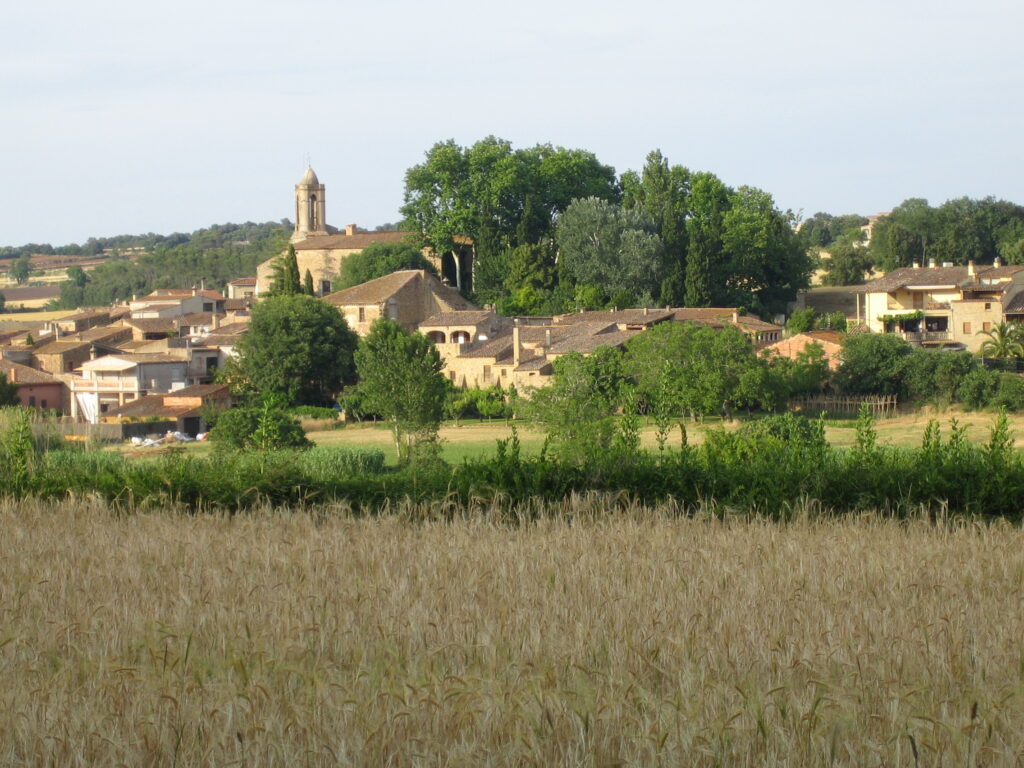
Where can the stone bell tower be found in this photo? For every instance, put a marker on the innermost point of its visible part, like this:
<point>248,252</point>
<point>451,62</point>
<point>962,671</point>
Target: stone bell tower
<point>310,207</point>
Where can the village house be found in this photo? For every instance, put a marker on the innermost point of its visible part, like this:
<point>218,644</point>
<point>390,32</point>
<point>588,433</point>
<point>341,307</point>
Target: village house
<point>184,407</point>
<point>481,349</point>
<point>175,302</point>
<point>244,288</point>
<point>36,389</point>
<point>113,380</point>
<point>409,296</point>
<point>791,348</point>
<point>942,306</point>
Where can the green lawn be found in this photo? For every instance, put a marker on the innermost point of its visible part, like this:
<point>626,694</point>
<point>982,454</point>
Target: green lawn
<point>474,439</point>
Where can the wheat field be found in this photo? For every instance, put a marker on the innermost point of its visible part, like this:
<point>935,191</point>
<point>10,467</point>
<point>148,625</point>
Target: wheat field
<point>594,634</point>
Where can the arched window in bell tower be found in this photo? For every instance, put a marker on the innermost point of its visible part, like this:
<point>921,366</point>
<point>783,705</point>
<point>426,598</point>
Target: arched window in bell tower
<point>314,225</point>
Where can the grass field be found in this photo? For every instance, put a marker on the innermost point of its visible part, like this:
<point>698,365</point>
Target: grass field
<point>472,439</point>
<point>595,637</point>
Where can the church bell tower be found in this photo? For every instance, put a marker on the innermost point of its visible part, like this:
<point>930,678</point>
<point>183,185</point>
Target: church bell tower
<point>310,207</point>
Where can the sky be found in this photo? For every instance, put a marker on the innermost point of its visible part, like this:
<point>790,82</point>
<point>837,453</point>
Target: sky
<point>130,117</point>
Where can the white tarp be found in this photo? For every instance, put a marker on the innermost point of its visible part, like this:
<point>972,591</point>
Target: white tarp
<point>89,406</point>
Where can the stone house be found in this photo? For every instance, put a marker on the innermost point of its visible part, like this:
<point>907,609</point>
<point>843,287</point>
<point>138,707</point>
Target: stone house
<point>829,341</point>
<point>409,296</point>
<point>947,306</point>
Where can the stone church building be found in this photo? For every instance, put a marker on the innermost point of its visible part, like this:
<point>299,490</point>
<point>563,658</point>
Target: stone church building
<point>321,248</point>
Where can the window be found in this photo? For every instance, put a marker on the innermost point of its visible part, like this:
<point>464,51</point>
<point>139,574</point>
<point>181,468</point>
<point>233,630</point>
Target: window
<point>362,314</point>
<point>207,306</point>
<point>43,404</point>
<point>988,307</point>
<point>967,329</point>
<point>325,287</point>
<point>31,401</point>
<point>986,326</point>
<point>487,373</point>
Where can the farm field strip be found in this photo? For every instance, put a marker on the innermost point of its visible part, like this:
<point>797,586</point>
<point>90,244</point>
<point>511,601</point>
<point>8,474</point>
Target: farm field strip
<point>594,636</point>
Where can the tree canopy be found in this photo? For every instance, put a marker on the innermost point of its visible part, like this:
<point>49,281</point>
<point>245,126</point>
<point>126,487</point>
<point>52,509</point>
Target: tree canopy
<point>297,347</point>
<point>400,379</point>
<point>499,196</point>
<point>379,259</point>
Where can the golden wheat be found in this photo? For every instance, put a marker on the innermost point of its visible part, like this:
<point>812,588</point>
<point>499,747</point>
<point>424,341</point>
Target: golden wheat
<point>594,636</point>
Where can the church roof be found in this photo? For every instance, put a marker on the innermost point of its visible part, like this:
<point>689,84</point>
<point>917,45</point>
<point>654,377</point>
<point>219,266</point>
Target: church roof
<point>309,179</point>
<point>357,241</point>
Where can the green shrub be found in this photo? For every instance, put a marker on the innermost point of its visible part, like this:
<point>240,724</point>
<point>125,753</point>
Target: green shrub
<point>1009,393</point>
<point>259,429</point>
<point>313,412</point>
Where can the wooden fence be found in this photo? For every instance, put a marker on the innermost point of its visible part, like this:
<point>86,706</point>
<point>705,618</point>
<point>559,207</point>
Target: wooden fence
<point>881,407</point>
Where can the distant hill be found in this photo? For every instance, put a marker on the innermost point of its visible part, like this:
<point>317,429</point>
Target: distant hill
<point>126,265</point>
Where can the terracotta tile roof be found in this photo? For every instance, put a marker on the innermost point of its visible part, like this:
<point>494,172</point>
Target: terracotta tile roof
<point>236,304</point>
<point>835,337</point>
<point>129,344</point>
<point>497,348</point>
<point>100,333</point>
<point>1014,303</point>
<point>199,390</point>
<point>374,291</point>
<point>358,241</point>
<point>621,316</point>
<point>243,281</point>
<point>153,324</point>
<point>719,317</point>
<point>236,327</point>
<point>149,406</point>
<point>586,344</point>
<point>197,318</point>
<point>22,374</point>
<point>216,340</point>
<point>908,277</point>
<point>459,317</point>
<point>85,313</point>
<point>537,363</point>
<point>179,294</point>
<point>59,347</point>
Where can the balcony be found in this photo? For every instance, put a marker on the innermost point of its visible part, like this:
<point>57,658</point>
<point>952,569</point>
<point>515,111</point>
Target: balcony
<point>925,337</point>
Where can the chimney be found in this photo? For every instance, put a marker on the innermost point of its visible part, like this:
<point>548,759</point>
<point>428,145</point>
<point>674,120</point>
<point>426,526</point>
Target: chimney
<point>997,262</point>
<point>646,312</point>
<point>215,321</point>
<point>917,265</point>
<point>12,376</point>
<point>971,272</point>
<point>547,338</point>
<point>931,263</point>
<point>736,315</point>
<point>194,291</point>
<point>515,345</point>
<point>350,229</point>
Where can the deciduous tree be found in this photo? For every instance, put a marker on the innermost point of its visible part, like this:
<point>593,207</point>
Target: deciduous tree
<point>400,379</point>
<point>298,347</point>
<point>379,259</point>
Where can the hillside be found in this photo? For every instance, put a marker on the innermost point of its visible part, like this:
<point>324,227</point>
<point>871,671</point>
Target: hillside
<point>116,268</point>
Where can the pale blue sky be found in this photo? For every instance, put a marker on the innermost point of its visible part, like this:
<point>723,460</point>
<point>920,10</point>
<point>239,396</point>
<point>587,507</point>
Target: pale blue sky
<point>129,117</point>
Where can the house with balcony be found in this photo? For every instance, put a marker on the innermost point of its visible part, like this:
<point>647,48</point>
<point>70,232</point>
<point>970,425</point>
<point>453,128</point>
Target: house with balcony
<point>112,381</point>
<point>941,306</point>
